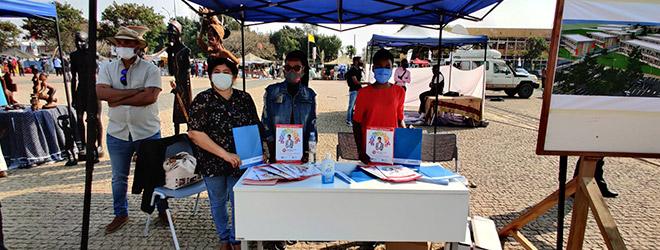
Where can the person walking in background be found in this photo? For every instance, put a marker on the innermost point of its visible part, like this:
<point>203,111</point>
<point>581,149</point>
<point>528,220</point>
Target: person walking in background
<point>200,69</point>
<point>379,104</point>
<point>211,132</point>
<point>353,79</point>
<point>290,102</point>
<point>131,87</point>
<point>57,63</point>
<point>21,67</point>
<point>402,75</point>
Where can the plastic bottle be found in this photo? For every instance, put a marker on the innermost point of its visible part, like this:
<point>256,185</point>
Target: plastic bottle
<point>328,169</point>
<point>312,147</point>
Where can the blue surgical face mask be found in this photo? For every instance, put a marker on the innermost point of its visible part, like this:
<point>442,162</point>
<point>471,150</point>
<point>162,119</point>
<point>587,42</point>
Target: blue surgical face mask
<point>382,75</point>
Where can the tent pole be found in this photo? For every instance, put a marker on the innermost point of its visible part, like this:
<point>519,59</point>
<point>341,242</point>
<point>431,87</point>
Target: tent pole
<point>483,92</point>
<point>243,50</point>
<point>451,66</point>
<point>435,106</point>
<point>563,162</point>
<point>67,92</point>
<point>92,122</point>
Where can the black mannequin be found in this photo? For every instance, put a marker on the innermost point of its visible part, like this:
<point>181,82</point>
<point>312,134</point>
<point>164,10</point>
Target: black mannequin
<point>178,64</point>
<point>79,74</point>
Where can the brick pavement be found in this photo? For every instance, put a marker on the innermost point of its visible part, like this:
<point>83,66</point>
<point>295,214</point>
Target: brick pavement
<point>42,206</point>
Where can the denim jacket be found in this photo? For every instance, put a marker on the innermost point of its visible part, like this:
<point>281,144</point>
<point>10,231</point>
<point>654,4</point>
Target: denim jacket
<point>278,105</point>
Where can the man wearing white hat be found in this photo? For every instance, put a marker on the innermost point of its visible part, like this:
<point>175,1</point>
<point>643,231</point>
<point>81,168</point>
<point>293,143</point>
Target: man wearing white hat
<point>131,87</point>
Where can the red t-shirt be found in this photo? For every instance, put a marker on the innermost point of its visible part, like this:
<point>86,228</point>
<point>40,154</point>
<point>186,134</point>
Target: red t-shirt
<point>379,107</point>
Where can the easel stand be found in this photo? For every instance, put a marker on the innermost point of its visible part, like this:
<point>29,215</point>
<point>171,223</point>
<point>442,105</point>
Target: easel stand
<point>587,195</point>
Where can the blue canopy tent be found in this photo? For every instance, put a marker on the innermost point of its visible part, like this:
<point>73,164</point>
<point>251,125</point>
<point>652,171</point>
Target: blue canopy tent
<point>420,13</point>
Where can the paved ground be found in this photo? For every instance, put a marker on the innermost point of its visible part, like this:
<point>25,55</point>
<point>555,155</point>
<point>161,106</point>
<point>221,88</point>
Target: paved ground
<point>42,206</point>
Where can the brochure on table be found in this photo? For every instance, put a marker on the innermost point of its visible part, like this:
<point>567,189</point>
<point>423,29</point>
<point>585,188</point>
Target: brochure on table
<point>288,143</point>
<point>408,146</point>
<point>248,145</point>
<point>269,174</point>
<point>380,144</point>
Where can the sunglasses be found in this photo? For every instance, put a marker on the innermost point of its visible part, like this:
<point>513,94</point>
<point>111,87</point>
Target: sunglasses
<point>123,77</point>
<point>288,68</point>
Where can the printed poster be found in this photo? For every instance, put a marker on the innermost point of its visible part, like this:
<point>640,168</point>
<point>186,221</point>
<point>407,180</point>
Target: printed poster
<point>288,143</point>
<point>380,145</point>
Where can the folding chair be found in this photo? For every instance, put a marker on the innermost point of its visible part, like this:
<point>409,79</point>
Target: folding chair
<point>165,193</point>
<point>346,148</point>
<point>440,147</point>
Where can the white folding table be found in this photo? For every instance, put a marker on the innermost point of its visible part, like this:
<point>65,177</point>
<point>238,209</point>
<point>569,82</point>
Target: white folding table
<point>372,210</point>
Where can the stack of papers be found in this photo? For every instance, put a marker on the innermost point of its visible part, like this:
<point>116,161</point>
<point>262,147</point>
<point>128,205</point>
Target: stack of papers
<point>269,174</point>
<point>396,173</point>
<point>438,175</point>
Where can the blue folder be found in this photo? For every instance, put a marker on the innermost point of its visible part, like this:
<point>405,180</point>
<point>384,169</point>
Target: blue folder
<point>3,99</point>
<point>408,146</point>
<point>248,145</point>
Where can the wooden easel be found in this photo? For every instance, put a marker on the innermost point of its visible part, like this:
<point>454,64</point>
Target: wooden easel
<point>587,195</point>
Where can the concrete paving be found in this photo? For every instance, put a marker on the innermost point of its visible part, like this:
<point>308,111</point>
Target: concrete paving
<point>42,206</point>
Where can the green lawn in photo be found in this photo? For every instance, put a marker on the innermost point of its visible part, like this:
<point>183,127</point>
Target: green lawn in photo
<point>576,31</point>
<point>564,53</point>
<point>620,61</point>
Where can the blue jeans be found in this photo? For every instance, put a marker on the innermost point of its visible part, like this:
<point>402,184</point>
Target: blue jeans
<point>351,104</point>
<point>121,154</point>
<point>220,190</point>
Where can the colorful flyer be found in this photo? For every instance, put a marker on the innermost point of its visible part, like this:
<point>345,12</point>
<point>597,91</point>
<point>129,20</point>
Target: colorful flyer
<point>380,145</point>
<point>288,143</point>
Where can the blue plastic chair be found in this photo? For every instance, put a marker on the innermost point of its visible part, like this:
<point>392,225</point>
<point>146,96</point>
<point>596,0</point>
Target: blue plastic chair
<point>164,193</point>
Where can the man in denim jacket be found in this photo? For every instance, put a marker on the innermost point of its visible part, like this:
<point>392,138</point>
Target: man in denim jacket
<point>290,102</point>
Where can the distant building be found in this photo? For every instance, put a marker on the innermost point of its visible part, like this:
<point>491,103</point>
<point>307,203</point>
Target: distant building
<point>650,51</point>
<point>654,35</point>
<point>511,42</point>
<point>578,45</point>
<point>604,40</point>
<point>651,39</point>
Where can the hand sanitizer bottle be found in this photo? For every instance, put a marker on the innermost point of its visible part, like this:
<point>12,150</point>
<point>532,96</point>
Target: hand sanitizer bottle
<point>328,169</point>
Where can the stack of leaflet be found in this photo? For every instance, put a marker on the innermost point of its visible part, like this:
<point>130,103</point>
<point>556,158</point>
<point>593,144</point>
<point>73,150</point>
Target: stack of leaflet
<point>396,173</point>
<point>438,175</point>
<point>269,174</point>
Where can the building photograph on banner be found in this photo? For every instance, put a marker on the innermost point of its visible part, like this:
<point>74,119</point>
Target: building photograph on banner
<point>605,96</point>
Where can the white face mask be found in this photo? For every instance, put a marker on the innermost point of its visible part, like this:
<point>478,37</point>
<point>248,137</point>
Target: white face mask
<point>222,81</point>
<point>125,52</point>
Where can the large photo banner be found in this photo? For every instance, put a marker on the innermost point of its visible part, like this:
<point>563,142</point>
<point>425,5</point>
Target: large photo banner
<point>605,96</point>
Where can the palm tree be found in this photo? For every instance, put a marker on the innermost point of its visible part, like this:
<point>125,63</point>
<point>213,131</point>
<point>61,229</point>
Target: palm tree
<point>350,51</point>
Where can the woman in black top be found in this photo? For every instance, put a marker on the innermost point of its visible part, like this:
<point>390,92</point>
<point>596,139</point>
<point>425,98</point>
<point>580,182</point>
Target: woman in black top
<point>213,114</point>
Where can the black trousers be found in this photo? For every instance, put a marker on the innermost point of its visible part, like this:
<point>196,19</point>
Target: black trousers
<point>598,175</point>
<point>422,99</point>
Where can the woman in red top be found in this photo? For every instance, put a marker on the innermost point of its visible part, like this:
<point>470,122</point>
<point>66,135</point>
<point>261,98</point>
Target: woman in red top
<point>379,104</point>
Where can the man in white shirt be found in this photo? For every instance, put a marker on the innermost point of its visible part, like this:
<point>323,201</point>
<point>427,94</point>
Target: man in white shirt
<point>57,64</point>
<point>131,87</point>
<point>402,75</point>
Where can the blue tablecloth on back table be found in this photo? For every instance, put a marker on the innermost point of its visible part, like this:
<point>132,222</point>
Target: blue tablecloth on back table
<point>32,137</point>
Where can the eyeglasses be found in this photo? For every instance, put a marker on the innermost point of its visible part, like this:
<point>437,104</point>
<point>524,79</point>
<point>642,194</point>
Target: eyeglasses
<point>123,77</point>
<point>288,68</point>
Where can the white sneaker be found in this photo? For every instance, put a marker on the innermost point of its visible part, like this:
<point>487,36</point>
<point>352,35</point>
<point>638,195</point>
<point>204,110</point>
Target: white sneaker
<point>350,124</point>
<point>421,116</point>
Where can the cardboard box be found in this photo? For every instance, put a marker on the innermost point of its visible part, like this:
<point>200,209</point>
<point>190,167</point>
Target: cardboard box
<point>408,245</point>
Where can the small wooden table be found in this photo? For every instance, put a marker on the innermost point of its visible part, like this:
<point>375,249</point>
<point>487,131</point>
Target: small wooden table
<point>468,106</point>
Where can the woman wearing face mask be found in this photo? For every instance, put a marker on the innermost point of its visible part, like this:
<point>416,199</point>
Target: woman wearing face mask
<point>290,102</point>
<point>379,104</point>
<point>213,114</point>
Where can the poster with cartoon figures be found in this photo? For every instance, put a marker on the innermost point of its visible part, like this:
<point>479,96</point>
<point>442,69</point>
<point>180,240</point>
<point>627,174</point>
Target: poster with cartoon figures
<point>288,143</point>
<point>380,145</point>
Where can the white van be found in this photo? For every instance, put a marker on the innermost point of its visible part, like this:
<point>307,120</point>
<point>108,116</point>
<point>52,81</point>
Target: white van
<point>499,75</point>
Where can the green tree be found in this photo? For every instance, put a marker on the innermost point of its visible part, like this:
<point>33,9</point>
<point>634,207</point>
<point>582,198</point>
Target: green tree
<point>330,45</point>
<point>534,48</point>
<point>70,20</point>
<point>350,51</point>
<point>634,70</point>
<point>8,33</point>
<point>189,33</point>
<point>288,39</point>
<point>255,43</point>
<point>131,14</point>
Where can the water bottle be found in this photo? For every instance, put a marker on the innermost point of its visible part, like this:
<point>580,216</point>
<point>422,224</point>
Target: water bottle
<point>312,147</point>
<point>328,169</point>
